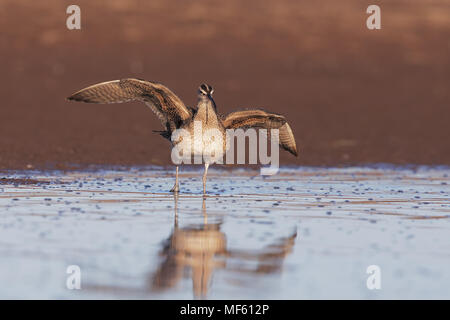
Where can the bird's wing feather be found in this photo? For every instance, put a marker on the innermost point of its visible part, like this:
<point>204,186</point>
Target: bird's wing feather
<point>164,103</point>
<point>258,118</point>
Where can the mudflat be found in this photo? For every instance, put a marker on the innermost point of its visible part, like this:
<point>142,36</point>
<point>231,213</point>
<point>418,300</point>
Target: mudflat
<point>351,95</point>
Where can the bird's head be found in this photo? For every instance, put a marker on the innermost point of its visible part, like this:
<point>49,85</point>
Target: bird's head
<point>205,90</point>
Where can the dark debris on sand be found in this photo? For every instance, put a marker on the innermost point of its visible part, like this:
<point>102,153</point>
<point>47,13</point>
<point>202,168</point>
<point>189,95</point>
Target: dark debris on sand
<point>21,181</point>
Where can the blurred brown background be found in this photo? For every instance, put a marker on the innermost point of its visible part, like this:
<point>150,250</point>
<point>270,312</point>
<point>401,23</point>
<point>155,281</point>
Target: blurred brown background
<point>352,95</point>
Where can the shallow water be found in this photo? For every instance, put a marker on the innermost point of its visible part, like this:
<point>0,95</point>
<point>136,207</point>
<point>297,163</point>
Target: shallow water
<point>304,233</point>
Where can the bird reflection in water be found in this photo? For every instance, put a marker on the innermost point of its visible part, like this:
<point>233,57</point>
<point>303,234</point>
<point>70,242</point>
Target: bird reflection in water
<point>202,248</point>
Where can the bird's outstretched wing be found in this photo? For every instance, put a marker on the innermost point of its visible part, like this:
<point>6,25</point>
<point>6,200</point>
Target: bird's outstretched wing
<point>164,103</point>
<point>257,118</point>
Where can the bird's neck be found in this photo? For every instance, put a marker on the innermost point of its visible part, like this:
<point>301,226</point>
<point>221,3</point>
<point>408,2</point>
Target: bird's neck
<point>206,111</point>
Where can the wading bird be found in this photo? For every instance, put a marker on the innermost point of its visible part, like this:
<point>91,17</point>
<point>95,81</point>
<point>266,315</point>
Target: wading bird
<point>174,115</point>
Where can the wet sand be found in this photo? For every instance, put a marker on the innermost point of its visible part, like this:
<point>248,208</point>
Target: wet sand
<point>304,233</point>
<point>352,95</point>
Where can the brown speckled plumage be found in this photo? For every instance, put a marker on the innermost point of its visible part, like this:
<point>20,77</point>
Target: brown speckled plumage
<point>174,114</point>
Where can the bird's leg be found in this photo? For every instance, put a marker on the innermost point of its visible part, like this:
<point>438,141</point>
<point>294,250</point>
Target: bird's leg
<point>204,177</point>
<point>176,187</point>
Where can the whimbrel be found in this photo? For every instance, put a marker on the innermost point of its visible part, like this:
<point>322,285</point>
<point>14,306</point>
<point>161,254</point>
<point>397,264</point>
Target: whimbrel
<point>174,114</point>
